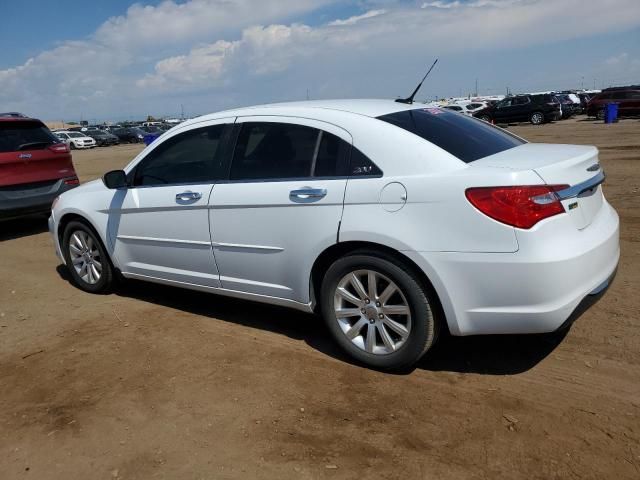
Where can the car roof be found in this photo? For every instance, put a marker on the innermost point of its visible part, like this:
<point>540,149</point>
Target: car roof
<point>365,107</point>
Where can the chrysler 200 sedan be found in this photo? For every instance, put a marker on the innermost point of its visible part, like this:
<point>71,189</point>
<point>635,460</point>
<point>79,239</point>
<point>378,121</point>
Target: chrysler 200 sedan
<point>393,221</point>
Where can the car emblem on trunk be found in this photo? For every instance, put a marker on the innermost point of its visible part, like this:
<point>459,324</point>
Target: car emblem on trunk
<point>594,167</point>
<point>25,155</point>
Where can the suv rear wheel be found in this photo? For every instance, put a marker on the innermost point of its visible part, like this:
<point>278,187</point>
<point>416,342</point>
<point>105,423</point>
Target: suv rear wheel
<point>378,311</point>
<point>600,114</point>
<point>537,118</point>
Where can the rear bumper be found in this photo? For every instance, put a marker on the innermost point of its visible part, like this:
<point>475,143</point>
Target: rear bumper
<point>30,200</point>
<point>533,290</point>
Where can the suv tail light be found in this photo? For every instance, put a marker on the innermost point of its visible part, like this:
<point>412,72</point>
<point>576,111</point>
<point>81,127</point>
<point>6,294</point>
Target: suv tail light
<point>72,181</point>
<point>59,148</point>
<point>520,206</point>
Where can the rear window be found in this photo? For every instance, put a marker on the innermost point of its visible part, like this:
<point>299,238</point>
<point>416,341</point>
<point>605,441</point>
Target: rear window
<point>17,136</point>
<point>464,137</point>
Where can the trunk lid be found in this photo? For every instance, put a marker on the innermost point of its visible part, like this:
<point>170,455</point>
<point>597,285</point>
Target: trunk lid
<point>573,165</point>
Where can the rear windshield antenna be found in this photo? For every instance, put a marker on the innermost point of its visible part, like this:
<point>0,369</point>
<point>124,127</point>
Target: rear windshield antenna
<point>409,100</point>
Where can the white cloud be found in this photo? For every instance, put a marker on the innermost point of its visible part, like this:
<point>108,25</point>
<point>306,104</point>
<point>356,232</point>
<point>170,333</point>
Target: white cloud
<point>240,51</point>
<point>357,18</point>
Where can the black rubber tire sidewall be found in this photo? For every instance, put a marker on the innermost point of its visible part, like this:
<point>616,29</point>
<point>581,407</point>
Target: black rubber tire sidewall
<point>105,284</point>
<point>424,328</point>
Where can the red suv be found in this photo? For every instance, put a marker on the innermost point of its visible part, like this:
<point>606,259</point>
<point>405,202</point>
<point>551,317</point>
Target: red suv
<point>627,98</point>
<point>34,166</point>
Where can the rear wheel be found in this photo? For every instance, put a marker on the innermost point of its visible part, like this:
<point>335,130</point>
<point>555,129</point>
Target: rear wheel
<point>537,118</point>
<point>86,258</point>
<point>378,311</point>
<point>600,114</point>
<point>486,118</point>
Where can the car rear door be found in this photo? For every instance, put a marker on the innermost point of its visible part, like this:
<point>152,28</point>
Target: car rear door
<point>281,206</point>
<point>159,226</point>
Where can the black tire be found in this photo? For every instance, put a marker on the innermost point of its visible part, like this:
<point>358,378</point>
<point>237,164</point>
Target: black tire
<point>107,278</point>
<point>420,299</point>
<point>486,118</point>
<point>72,146</point>
<point>537,118</point>
<point>600,114</point>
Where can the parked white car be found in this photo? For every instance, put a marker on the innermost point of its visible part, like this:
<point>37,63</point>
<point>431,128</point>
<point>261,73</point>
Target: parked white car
<point>394,221</point>
<point>467,108</point>
<point>76,139</point>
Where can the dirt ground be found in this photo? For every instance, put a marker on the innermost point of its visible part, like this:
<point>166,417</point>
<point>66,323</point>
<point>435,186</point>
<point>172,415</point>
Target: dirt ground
<point>157,382</point>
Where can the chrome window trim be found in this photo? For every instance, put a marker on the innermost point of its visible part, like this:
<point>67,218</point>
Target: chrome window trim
<point>577,189</point>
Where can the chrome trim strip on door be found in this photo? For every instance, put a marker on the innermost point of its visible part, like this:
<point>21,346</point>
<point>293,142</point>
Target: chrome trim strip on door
<point>248,247</point>
<point>577,189</point>
<point>164,240</point>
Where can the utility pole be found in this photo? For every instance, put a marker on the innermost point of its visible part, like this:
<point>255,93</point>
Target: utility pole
<point>181,111</point>
<point>582,82</point>
<point>476,94</point>
<point>307,94</point>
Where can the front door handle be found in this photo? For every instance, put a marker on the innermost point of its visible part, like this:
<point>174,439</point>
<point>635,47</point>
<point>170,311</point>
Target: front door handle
<point>188,196</point>
<point>307,193</point>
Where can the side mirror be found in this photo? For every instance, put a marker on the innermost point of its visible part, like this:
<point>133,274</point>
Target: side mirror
<point>115,179</point>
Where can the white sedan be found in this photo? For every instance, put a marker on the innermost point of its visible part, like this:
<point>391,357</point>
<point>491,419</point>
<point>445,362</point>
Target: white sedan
<point>394,221</point>
<point>76,139</point>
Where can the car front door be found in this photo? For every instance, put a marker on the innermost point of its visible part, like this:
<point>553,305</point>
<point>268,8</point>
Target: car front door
<point>504,110</point>
<point>281,206</point>
<point>159,227</point>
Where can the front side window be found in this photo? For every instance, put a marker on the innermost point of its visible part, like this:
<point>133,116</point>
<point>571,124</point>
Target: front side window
<point>266,150</point>
<point>194,156</point>
<point>462,136</point>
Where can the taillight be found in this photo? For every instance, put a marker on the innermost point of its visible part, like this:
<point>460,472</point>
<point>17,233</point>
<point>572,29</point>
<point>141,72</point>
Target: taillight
<point>59,148</point>
<point>521,206</point>
<point>72,181</point>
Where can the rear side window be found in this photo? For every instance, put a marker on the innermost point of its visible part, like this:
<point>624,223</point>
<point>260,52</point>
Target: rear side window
<point>25,135</point>
<point>190,157</point>
<point>464,137</point>
<point>270,150</point>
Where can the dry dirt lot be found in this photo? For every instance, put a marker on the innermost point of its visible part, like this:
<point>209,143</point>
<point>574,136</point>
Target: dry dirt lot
<point>156,382</point>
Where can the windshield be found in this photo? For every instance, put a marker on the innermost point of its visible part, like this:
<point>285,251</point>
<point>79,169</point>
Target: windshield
<point>464,137</point>
<point>76,135</point>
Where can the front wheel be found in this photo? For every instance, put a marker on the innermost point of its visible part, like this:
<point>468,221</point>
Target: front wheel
<point>86,258</point>
<point>378,311</point>
<point>486,118</point>
<point>537,118</point>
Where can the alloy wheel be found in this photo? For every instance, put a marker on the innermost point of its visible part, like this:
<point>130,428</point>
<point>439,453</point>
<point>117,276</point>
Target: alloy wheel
<point>372,312</point>
<point>85,257</point>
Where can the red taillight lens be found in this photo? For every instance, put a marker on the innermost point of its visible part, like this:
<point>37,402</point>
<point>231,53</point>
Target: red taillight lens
<point>59,148</point>
<point>521,206</point>
<point>72,181</point>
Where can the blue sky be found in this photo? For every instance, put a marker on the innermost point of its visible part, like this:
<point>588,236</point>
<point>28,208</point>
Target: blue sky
<point>110,60</point>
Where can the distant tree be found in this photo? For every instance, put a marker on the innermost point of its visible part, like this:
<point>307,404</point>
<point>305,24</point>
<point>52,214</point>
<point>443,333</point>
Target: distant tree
<point>150,118</point>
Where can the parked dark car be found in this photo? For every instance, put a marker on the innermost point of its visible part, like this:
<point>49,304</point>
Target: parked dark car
<point>568,107</point>
<point>102,137</point>
<point>129,134</point>
<point>537,109</point>
<point>627,98</point>
<point>35,166</point>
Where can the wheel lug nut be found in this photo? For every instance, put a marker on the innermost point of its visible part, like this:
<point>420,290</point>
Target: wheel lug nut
<point>377,304</point>
<point>381,316</point>
<point>366,300</point>
<point>362,310</point>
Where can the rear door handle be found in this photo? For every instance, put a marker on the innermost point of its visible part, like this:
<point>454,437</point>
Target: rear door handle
<point>307,193</point>
<point>188,196</point>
